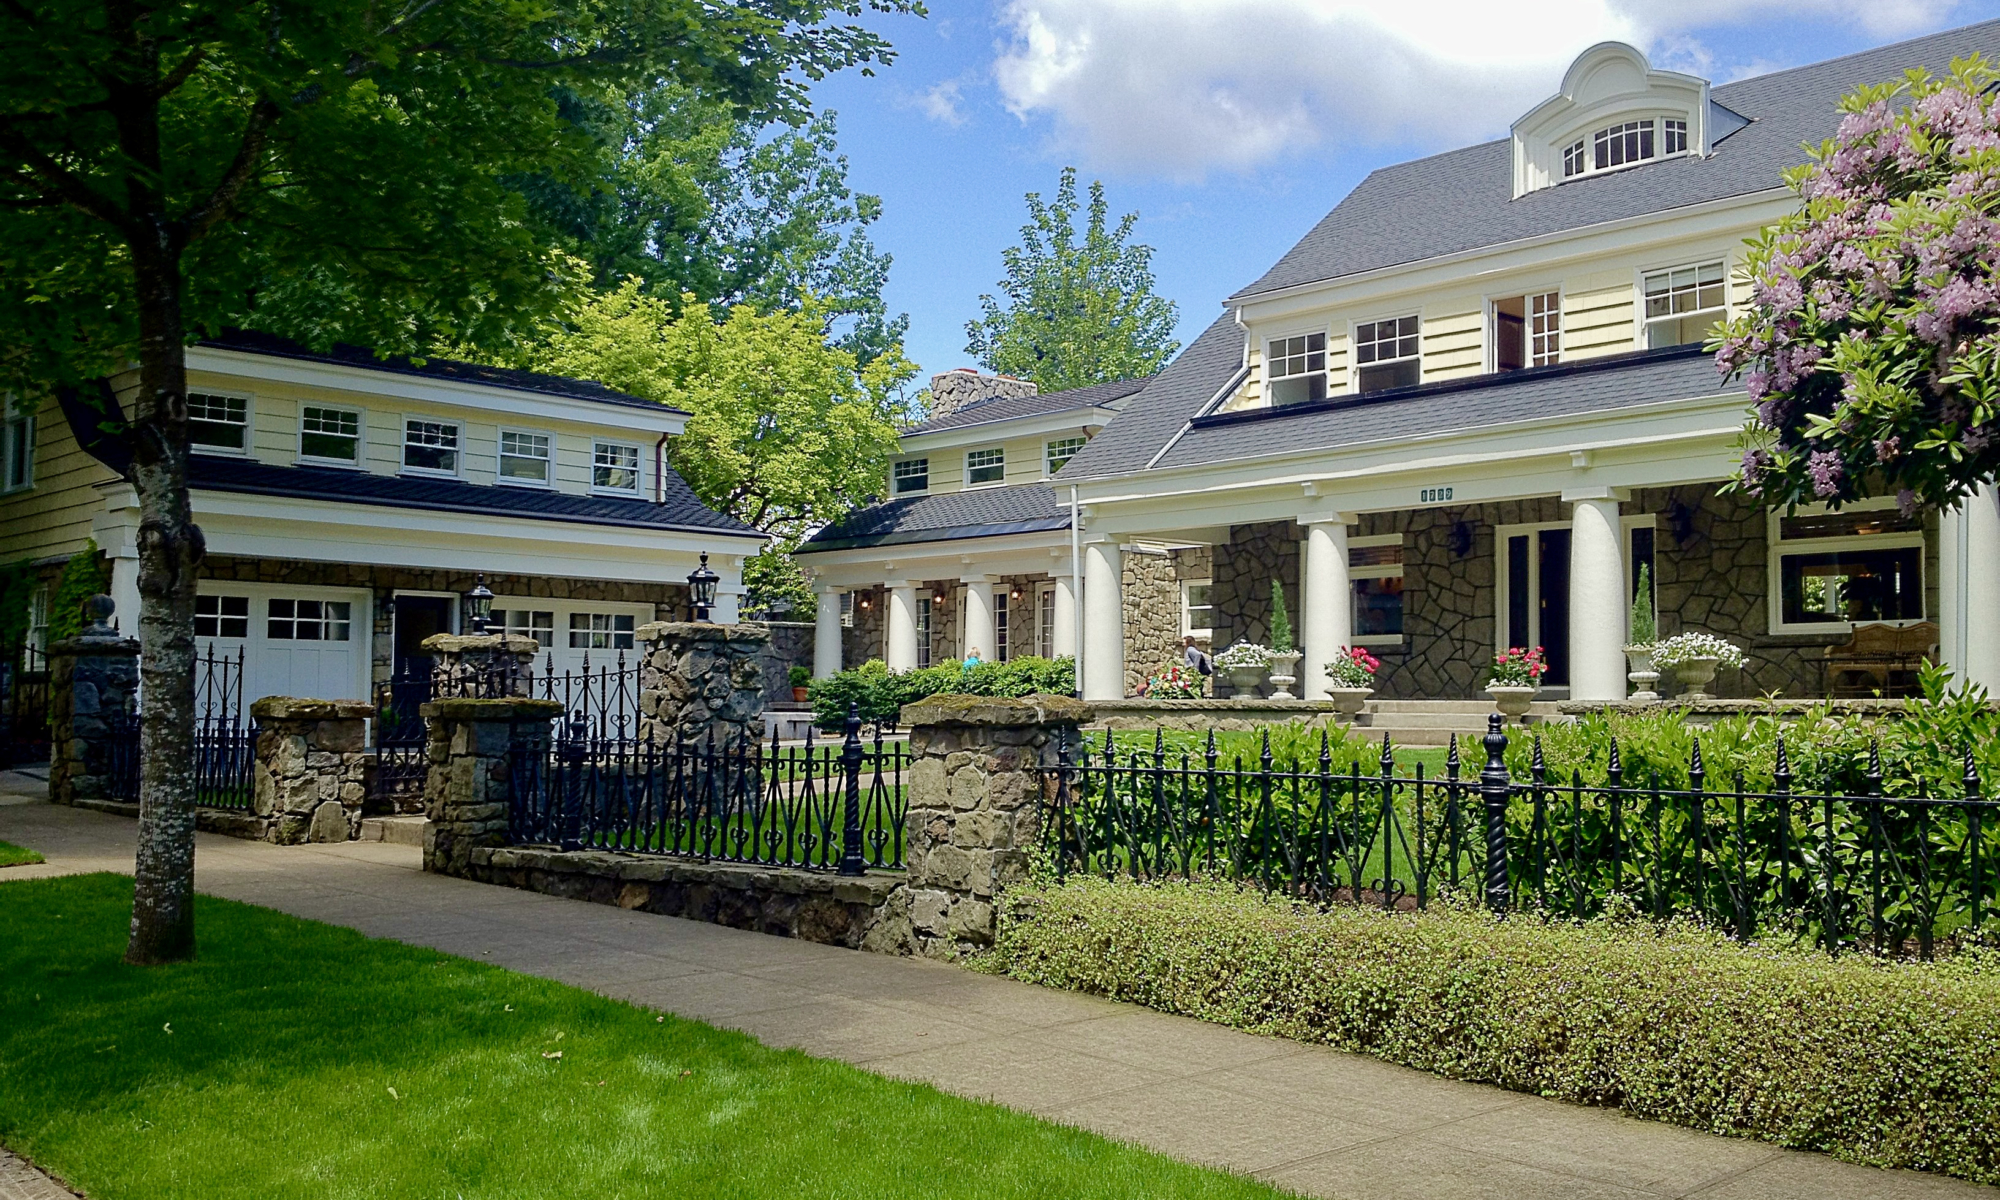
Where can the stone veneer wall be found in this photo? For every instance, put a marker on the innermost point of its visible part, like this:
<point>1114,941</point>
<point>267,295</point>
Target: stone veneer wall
<point>862,640</point>
<point>312,768</point>
<point>699,680</point>
<point>1244,568</point>
<point>1152,595</point>
<point>93,679</point>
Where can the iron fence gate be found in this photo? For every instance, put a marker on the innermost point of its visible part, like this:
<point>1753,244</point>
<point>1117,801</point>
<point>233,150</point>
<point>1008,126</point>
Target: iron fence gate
<point>24,704</point>
<point>225,741</point>
<point>401,741</point>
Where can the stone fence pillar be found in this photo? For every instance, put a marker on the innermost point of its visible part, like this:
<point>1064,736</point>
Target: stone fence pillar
<point>487,664</point>
<point>697,678</point>
<point>93,681</point>
<point>312,769</point>
<point>467,786</point>
<point>975,792</point>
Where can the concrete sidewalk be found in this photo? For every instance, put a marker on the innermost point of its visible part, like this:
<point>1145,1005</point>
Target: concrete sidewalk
<point>1310,1119</point>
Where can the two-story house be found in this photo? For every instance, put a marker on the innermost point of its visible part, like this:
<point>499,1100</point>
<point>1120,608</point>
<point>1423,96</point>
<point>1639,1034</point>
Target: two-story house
<point>1466,409</point>
<point>349,503</point>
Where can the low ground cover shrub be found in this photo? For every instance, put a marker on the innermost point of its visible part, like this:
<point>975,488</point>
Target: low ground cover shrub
<point>1891,1064</point>
<point>880,693</point>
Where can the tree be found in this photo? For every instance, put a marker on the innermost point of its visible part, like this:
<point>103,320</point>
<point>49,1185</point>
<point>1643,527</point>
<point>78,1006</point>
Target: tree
<point>1871,343</point>
<point>1076,314</point>
<point>323,170</point>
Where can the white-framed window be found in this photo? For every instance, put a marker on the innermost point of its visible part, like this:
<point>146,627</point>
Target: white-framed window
<point>984,467</point>
<point>1056,454</point>
<point>330,434</point>
<point>1386,354</point>
<point>1045,620</point>
<point>17,446</point>
<point>1625,143</point>
<point>38,629</point>
<point>1574,161</point>
<point>910,475</point>
<point>1197,607</point>
<point>222,616</point>
<point>1673,136</point>
<point>1833,570</point>
<point>525,457</point>
<point>600,631</point>
<point>1527,331</point>
<point>537,623</point>
<point>1375,570</point>
<point>926,602</point>
<point>1616,145</point>
<point>847,610</point>
<point>614,467</point>
<point>1000,653</point>
<point>294,620</point>
<point>218,424</point>
<point>430,447</point>
<point>1682,303</point>
<point>1295,369</point>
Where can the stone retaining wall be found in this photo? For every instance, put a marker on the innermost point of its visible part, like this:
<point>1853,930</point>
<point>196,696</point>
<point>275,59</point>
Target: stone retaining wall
<point>699,680</point>
<point>312,771</point>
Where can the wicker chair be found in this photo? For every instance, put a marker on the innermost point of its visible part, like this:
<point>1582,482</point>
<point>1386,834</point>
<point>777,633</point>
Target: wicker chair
<point>1881,660</point>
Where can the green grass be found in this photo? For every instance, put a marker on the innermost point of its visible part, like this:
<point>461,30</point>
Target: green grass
<point>17,856</point>
<point>303,1060</point>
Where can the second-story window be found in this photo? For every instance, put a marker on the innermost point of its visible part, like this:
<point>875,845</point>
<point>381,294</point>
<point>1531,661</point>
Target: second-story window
<point>1060,451</point>
<point>330,434</point>
<point>1673,136</point>
<point>1527,331</point>
<point>1295,368</point>
<point>911,475</point>
<point>985,466</point>
<point>218,422</point>
<point>1385,355</point>
<point>614,467</point>
<point>17,446</point>
<point>1682,304</point>
<point>430,446</point>
<point>524,456</point>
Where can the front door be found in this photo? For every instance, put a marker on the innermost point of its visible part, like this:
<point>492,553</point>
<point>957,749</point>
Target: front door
<point>419,617</point>
<point>1535,595</point>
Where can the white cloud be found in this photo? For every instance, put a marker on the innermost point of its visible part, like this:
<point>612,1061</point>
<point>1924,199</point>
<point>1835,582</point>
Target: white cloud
<point>1181,87</point>
<point>940,103</point>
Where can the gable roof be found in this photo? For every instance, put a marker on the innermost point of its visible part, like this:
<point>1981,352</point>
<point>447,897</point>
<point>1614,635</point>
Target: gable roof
<point>1155,414</point>
<point>980,512</point>
<point>1007,408</point>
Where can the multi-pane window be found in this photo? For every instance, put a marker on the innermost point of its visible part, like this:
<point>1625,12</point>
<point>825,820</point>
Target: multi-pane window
<point>222,616</point>
<point>1060,451</point>
<point>1527,331</point>
<point>1682,304</point>
<point>1197,610</point>
<point>1000,626</point>
<point>614,467</point>
<point>1673,136</point>
<point>38,630</point>
<point>1850,566</point>
<point>1385,354</point>
<point>17,447</point>
<point>986,466</point>
<point>911,475</point>
<point>925,603</point>
<point>524,456</point>
<point>218,422</point>
<point>430,446</point>
<point>1574,162</point>
<point>600,631</point>
<point>333,434</point>
<point>1045,622</point>
<point>1545,328</point>
<point>1617,145</point>
<point>847,610</point>
<point>536,623</point>
<point>1295,368</point>
<point>1376,569</point>
<point>289,620</point>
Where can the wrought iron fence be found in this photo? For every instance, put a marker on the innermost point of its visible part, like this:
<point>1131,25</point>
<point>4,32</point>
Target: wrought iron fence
<point>401,739</point>
<point>24,704</point>
<point>1886,873</point>
<point>817,806</point>
<point>225,741</point>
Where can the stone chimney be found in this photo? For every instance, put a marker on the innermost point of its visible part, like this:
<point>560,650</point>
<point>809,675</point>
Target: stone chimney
<point>955,390</point>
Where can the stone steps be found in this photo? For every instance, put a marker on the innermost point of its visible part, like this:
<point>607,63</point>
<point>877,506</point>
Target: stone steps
<point>397,831</point>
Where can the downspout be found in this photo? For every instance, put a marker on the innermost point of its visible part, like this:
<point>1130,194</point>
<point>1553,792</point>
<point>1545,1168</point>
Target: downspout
<point>1076,583</point>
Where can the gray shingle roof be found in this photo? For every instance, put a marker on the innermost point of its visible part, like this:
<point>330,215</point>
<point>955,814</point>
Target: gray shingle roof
<point>1007,408</point>
<point>980,512</point>
<point>1462,199</point>
<point>1158,412</point>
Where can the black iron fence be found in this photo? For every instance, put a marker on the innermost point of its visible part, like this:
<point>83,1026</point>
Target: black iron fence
<point>818,806</point>
<point>24,704</point>
<point>225,740</point>
<point>1890,874</point>
<point>401,739</point>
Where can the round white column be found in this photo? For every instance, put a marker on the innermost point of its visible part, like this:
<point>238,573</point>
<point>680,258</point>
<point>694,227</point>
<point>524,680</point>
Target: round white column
<point>976,617</point>
<point>1969,589</point>
<point>826,635</point>
<point>1103,622</point>
<point>1327,607</point>
<point>1062,637</point>
<point>1596,597</point>
<point>901,651</point>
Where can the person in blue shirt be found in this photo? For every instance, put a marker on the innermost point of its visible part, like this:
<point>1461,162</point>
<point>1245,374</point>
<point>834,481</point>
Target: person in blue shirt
<point>972,658</point>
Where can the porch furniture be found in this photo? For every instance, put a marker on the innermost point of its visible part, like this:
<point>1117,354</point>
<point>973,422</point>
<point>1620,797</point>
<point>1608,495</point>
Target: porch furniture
<point>1880,658</point>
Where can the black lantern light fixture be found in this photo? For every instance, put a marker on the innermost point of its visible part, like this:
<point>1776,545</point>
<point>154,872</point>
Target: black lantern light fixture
<point>701,588</point>
<point>478,608</point>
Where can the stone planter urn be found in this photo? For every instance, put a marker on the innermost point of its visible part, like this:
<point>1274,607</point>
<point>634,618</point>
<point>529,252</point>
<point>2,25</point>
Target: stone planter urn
<point>1512,699</point>
<point>1349,701</point>
<point>1639,659</point>
<point>1243,681</point>
<point>1282,677</point>
<point>1695,675</point>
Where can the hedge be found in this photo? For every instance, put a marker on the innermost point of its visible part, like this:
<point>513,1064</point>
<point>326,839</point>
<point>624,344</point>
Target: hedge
<point>1890,1064</point>
<point>880,694</point>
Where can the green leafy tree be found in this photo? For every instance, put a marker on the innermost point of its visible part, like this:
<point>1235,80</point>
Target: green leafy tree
<point>774,578</point>
<point>336,169</point>
<point>1076,313</point>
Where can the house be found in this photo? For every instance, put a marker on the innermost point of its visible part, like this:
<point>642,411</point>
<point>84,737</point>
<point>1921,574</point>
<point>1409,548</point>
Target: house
<point>1462,414</point>
<point>349,503</point>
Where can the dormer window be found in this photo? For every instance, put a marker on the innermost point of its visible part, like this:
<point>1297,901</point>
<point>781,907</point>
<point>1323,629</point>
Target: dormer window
<point>1614,111</point>
<point>1621,144</point>
<point>1385,355</point>
<point>1295,369</point>
<point>1673,136</point>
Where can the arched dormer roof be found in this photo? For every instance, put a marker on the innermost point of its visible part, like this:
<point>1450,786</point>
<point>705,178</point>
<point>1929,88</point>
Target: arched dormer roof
<point>1614,110</point>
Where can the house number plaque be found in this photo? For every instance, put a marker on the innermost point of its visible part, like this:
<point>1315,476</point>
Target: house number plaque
<point>1436,495</point>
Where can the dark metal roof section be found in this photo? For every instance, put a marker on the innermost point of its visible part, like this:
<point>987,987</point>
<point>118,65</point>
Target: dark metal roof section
<point>980,512</point>
<point>1007,408</point>
<point>681,512</point>
<point>252,342</point>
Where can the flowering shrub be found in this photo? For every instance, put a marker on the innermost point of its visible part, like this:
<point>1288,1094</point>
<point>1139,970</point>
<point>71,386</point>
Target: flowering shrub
<point>1686,647</point>
<point>1243,654</point>
<point>1516,667</point>
<point>1872,340</point>
<point>1354,668</point>
<point>1174,683</point>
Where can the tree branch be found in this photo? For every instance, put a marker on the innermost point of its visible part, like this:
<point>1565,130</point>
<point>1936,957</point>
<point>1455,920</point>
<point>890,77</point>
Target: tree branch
<point>249,152</point>
<point>59,183</point>
<point>179,75</point>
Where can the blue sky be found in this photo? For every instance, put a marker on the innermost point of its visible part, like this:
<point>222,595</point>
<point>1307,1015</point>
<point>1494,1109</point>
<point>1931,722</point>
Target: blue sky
<point>1232,125</point>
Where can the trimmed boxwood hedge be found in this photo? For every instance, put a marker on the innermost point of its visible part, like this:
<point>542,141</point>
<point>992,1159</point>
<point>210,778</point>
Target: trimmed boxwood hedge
<point>1891,1064</point>
<point>879,694</point>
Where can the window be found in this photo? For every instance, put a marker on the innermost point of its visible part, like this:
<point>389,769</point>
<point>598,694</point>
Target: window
<point>1000,626</point>
<point>38,630</point>
<point>539,624</point>
<point>985,466</point>
<point>222,616</point>
<point>925,603</point>
<point>600,631</point>
<point>1574,163</point>
<point>1673,136</point>
<point>912,475</point>
<point>1197,610</point>
<point>333,434</point>
<point>1835,569</point>
<point>1682,304</point>
<point>1060,451</point>
<point>1295,369</point>
<point>1045,620</point>
<point>1527,331</point>
<point>430,446</point>
<point>218,422</point>
<point>1385,355</point>
<point>1620,144</point>
<point>524,457</point>
<point>1375,565</point>
<point>17,447</point>
<point>308,620</point>
<point>614,467</point>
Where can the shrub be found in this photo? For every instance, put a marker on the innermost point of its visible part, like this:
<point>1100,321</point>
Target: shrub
<point>799,677</point>
<point>83,576</point>
<point>1883,1063</point>
<point>880,694</point>
<point>1644,626</point>
<point>1353,668</point>
<point>1281,621</point>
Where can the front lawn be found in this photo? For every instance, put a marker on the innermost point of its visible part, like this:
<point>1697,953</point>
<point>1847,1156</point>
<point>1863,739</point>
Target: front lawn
<point>17,856</point>
<point>304,1060</point>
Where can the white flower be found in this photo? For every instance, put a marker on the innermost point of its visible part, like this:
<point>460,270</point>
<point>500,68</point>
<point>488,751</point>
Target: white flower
<point>1244,654</point>
<point>1686,647</point>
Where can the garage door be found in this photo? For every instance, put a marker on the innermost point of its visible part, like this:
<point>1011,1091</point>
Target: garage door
<point>296,641</point>
<point>573,631</point>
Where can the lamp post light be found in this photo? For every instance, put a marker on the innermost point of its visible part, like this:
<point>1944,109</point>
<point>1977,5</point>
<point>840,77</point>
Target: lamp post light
<point>701,589</point>
<point>478,608</point>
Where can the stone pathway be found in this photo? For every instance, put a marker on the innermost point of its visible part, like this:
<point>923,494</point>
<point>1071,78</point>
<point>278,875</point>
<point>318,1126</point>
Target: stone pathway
<point>19,1181</point>
<point>1311,1119</point>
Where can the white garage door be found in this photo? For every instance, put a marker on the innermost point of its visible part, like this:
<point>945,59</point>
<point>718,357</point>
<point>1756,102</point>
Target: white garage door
<point>309,642</point>
<point>574,630</point>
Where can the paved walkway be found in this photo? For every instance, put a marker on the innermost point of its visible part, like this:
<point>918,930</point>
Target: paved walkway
<point>1311,1119</point>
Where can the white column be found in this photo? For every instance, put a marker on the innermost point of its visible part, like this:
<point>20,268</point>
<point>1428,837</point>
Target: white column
<point>728,606</point>
<point>1969,589</point>
<point>1062,636</point>
<point>1103,622</point>
<point>1596,595</point>
<point>1326,623</point>
<point>901,652</point>
<point>826,634</point>
<point>125,595</point>
<point>976,618</point>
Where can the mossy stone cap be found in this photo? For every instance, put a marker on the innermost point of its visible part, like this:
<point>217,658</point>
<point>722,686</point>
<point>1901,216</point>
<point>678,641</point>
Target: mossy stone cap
<point>1038,709</point>
<point>465,708</point>
<point>296,708</point>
